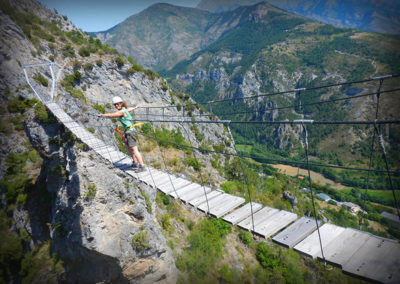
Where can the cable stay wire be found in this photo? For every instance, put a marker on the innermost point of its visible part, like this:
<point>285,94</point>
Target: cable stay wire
<point>303,105</point>
<point>285,92</point>
<point>382,144</point>
<point>246,183</point>
<point>303,89</point>
<point>201,176</point>
<point>273,108</point>
<point>312,191</point>
<point>376,131</point>
<point>163,158</point>
<point>310,121</point>
<point>383,77</point>
<point>272,160</point>
<point>370,155</point>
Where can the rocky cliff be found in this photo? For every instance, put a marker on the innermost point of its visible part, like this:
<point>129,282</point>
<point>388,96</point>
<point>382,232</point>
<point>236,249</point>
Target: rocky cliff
<point>72,216</point>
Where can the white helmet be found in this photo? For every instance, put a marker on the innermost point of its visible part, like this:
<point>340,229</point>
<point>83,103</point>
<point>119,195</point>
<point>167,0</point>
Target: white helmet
<point>116,100</point>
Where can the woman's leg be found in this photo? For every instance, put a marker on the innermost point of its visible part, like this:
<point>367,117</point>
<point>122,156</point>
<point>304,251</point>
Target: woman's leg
<point>136,154</point>
<point>132,152</point>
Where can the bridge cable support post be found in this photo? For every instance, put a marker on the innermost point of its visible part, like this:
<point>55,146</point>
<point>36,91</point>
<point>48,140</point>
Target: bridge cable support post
<point>303,121</point>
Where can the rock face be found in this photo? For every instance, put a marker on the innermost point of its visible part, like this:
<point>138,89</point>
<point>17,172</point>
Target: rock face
<point>101,223</point>
<point>98,211</point>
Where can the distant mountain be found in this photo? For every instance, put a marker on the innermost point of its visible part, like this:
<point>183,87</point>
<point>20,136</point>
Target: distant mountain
<point>163,35</point>
<point>371,15</point>
<point>217,6</point>
<point>160,35</point>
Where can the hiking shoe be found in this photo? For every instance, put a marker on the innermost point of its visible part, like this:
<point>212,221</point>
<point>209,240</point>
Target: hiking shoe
<point>135,165</point>
<point>140,169</point>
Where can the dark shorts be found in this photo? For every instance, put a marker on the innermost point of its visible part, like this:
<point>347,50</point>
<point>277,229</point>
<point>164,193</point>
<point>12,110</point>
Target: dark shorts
<point>130,140</point>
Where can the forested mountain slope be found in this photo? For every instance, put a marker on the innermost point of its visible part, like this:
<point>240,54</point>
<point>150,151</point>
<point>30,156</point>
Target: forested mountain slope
<point>376,16</point>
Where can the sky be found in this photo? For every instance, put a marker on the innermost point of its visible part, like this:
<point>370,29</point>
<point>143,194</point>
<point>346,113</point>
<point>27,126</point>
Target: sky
<point>100,15</point>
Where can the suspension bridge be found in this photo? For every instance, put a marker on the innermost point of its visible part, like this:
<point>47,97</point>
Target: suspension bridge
<point>356,252</point>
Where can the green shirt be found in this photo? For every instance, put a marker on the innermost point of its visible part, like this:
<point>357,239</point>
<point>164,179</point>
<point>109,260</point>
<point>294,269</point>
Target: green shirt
<point>127,120</point>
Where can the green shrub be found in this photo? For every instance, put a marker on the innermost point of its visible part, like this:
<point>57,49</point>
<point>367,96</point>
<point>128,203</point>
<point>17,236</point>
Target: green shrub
<point>91,192</point>
<point>164,86</point>
<point>40,266</point>
<point>16,181</point>
<point>76,36</point>
<point>146,128</point>
<point>166,222</point>
<point>84,51</point>
<point>246,237</point>
<point>40,79</point>
<point>88,66</point>
<point>68,51</point>
<point>43,115</point>
<point>199,136</point>
<point>11,249</point>
<point>78,94</point>
<point>223,227</point>
<point>130,60</point>
<point>20,104</point>
<point>99,108</point>
<point>99,62</point>
<point>166,199</point>
<point>140,241</point>
<point>194,163</point>
<point>147,200</point>
<point>151,74</point>
<point>332,202</point>
<point>133,69</point>
<point>71,80</point>
<point>120,61</point>
<point>267,257</point>
<point>175,136</point>
<point>205,247</point>
<point>232,187</point>
<point>18,122</point>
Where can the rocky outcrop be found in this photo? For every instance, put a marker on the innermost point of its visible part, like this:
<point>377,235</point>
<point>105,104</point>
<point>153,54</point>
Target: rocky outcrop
<point>100,222</point>
<point>98,211</point>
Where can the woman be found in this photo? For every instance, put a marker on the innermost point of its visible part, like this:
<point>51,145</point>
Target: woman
<point>126,119</point>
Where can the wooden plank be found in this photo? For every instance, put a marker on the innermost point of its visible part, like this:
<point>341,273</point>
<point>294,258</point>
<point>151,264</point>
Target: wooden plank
<point>214,202</point>
<point>377,259</point>
<point>296,232</point>
<point>310,246</point>
<point>201,199</point>
<point>231,203</point>
<point>242,213</point>
<point>275,223</point>
<point>184,189</point>
<point>342,248</point>
<point>152,177</point>
<point>165,180</point>
<point>194,194</point>
<point>258,217</point>
<point>178,183</point>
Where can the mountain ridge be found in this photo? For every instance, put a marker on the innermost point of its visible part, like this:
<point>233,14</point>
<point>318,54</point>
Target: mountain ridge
<point>375,16</point>
<point>174,35</point>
